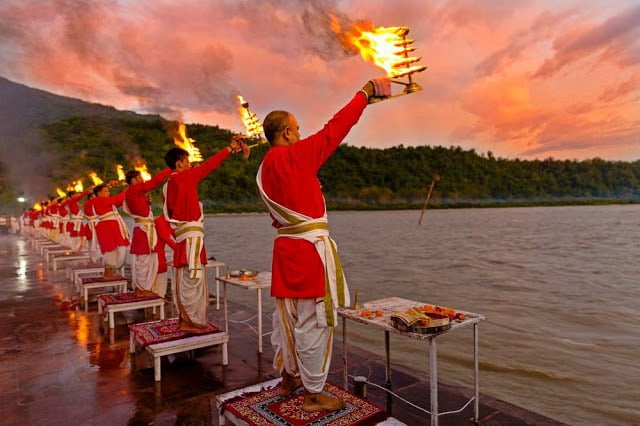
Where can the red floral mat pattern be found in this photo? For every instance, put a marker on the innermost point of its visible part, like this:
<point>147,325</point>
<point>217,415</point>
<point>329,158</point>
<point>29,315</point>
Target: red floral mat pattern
<point>102,279</point>
<point>119,298</point>
<point>167,330</point>
<point>267,407</point>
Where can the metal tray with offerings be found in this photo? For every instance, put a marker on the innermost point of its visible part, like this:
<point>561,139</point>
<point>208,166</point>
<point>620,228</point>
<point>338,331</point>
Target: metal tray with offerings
<point>416,321</point>
<point>243,273</point>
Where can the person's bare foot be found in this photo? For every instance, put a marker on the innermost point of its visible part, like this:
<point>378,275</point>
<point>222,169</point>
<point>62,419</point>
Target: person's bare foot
<point>109,272</point>
<point>320,402</point>
<point>289,384</point>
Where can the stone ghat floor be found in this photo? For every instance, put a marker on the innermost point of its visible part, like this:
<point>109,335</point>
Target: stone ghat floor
<point>58,368</point>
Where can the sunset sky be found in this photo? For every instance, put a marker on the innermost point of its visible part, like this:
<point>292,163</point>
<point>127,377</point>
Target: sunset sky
<point>520,78</point>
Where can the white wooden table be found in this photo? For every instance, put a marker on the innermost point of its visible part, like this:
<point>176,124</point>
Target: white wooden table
<point>41,246</point>
<point>110,309</point>
<point>69,258</point>
<point>181,345</point>
<point>391,305</point>
<point>261,282</point>
<point>74,273</point>
<point>50,254</point>
<point>48,251</point>
<point>216,265</point>
<point>120,285</point>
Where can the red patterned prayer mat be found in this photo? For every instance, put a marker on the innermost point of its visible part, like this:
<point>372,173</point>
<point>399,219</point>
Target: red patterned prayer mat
<point>167,330</point>
<point>119,298</point>
<point>102,279</point>
<point>267,407</point>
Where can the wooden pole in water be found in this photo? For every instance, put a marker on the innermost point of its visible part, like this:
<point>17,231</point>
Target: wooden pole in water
<point>426,201</point>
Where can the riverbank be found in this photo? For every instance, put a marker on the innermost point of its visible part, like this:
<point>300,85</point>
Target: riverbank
<point>58,367</point>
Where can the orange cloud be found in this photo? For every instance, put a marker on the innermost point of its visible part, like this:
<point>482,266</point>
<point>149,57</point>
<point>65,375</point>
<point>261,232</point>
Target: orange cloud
<point>534,78</point>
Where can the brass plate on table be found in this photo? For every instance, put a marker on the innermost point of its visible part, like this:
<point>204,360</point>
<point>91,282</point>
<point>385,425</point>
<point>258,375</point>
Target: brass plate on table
<point>243,273</point>
<point>421,323</point>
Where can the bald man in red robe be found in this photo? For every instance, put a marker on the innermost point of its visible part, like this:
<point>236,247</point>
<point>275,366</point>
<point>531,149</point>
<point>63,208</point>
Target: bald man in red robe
<point>307,279</point>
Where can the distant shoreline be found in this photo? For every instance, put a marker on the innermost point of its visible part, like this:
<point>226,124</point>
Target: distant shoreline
<point>254,209</point>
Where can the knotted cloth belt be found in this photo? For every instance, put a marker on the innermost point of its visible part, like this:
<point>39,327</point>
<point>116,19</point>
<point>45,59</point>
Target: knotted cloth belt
<point>114,215</point>
<point>316,231</point>
<point>193,234</point>
<point>149,227</point>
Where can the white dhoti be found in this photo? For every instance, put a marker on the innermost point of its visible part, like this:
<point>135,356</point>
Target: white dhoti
<point>160,284</point>
<point>302,346</point>
<point>192,296</point>
<point>144,268</point>
<point>115,259</point>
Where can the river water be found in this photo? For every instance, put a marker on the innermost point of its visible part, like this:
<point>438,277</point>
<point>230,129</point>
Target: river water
<point>558,286</point>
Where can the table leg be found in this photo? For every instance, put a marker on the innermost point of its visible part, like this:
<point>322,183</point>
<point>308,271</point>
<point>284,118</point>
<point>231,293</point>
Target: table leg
<point>433,380</point>
<point>161,312</point>
<point>344,352</point>
<point>259,320</point>
<point>86,298</point>
<point>476,384</point>
<point>156,368</point>
<point>387,348</point>
<point>225,355</point>
<point>217,289</point>
<point>224,295</point>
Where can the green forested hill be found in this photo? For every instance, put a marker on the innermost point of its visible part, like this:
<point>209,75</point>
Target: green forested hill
<point>354,177</point>
<point>47,141</point>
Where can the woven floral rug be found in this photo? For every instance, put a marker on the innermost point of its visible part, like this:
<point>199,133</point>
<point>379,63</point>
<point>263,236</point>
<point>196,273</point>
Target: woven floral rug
<point>129,297</point>
<point>267,407</point>
<point>102,279</point>
<point>167,330</point>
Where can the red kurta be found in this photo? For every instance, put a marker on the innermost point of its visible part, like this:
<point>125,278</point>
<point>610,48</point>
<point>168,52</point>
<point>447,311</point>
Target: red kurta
<point>183,203</point>
<point>74,209</point>
<point>289,177</point>
<point>136,199</point>
<point>108,231</point>
<point>87,208</point>
<point>165,237</point>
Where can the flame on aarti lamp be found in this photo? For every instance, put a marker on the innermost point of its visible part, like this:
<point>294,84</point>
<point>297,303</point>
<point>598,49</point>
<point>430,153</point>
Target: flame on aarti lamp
<point>251,122</point>
<point>37,207</point>
<point>386,47</point>
<point>120,172</point>
<point>185,142</point>
<point>95,179</point>
<point>144,173</point>
<point>78,186</point>
<point>61,193</point>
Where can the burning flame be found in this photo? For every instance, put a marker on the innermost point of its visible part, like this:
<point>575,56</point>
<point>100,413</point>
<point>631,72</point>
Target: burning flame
<point>76,186</point>
<point>185,142</point>
<point>249,119</point>
<point>61,193</point>
<point>386,47</point>
<point>120,172</point>
<point>37,207</point>
<point>142,168</point>
<point>95,179</point>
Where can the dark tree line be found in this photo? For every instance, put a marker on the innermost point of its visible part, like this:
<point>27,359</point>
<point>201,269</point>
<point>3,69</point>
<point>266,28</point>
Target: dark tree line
<point>354,177</point>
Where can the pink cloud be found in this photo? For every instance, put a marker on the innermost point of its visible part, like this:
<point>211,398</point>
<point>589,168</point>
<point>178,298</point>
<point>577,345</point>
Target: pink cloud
<point>517,78</point>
